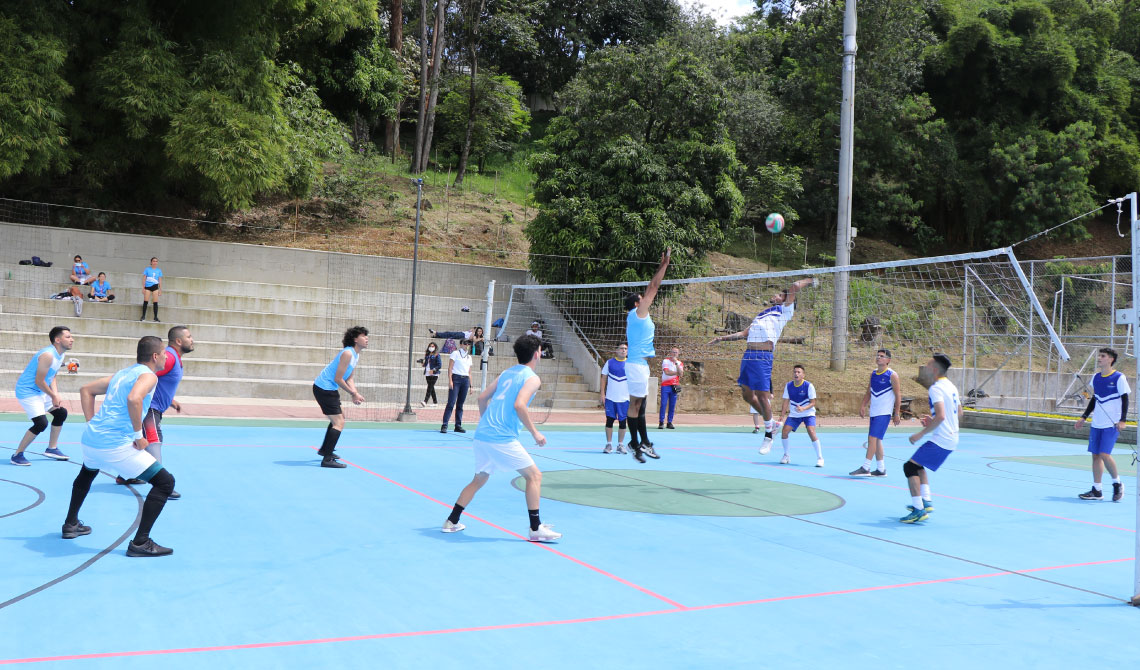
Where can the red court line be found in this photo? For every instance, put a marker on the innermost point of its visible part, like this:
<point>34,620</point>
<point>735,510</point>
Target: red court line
<point>552,550</point>
<point>533,624</point>
<point>869,482</point>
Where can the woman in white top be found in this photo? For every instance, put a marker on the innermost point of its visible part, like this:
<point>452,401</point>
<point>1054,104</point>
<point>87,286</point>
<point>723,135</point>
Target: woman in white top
<point>458,383</point>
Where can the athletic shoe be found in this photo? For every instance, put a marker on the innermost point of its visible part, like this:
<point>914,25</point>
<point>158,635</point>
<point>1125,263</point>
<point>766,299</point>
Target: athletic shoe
<point>449,527</point>
<point>878,473</point>
<point>766,446</point>
<point>928,506</point>
<point>122,482</point>
<point>74,530</point>
<point>459,429</point>
<point>19,459</point>
<point>621,449</point>
<point>545,533</point>
<point>443,429</point>
<point>174,495</point>
<point>431,332</point>
<point>819,463</point>
<point>785,460</point>
<point>660,425</point>
<point>635,449</point>
<point>1091,494</point>
<point>861,472</point>
<point>55,453</point>
<point>609,449</point>
<point>649,450</point>
<point>334,455</point>
<point>755,430</point>
<point>915,516</point>
<point>330,462</point>
<point>669,425</point>
<point>1117,492</point>
<point>148,548</point>
<point>157,321</point>
<point>423,403</point>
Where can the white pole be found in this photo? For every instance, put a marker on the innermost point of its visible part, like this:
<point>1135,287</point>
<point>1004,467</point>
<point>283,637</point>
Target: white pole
<point>1136,380</point>
<point>846,165</point>
<point>487,339</point>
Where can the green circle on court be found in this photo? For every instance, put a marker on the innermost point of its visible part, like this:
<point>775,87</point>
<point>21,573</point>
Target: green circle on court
<point>684,493</point>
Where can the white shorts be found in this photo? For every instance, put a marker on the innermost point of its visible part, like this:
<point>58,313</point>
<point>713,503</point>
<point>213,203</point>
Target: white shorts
<point>36,405</point>
<point>491,457</point>
<point>125,461</point>
<point>637,378</point>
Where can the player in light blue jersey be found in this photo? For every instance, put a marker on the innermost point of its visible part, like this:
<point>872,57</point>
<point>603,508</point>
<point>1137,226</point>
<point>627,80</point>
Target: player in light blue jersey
<point>639,330</point>
<point>502,416</point>
<point>114,441</point>
<point>337,375</point>
<point>37,394</point>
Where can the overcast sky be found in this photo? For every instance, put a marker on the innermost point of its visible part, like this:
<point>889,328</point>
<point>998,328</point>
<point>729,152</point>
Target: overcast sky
<point>724,10</point>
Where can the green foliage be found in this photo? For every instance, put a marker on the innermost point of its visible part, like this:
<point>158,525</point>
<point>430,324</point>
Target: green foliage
<point>1076,302</point>
<point>501,120</point>
<point>313,136</point>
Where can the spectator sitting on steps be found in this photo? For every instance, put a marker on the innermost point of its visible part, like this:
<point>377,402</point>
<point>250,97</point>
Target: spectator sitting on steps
<point>536,331</point>
<point>80,272</point>
<point>101,289</point>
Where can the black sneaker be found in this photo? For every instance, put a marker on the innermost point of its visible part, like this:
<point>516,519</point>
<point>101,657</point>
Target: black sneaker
<point>635,449</point>
<point>860,472</point>
<point>74,530</point>
<point>670,425</point>
<point>660,425</point>
<point>878,473</point>
<point>459,429</point>
<point>148,548</point>
<point>1091,494</point>
<point>132,481</point>
<point>443,429</point>
<point>1117,492</point>
<point>174,495</point>
<point>330,462</point>
<point>649,450</point>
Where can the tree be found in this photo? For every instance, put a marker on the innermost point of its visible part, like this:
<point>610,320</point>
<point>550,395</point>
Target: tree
<point>639,161</point>
<point>501,119</point>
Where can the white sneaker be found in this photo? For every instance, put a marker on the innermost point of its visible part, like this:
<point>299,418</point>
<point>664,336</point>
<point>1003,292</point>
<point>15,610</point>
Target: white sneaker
<point>766,446</point>
<point>609,449</point>
<point>545,533</point>
<point>819,463</point>
<point>785,460</point>
<point>449,527</point>
<point>622,449</point>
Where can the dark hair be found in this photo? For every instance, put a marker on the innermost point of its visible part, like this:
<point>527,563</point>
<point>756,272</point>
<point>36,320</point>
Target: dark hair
<point>478,331</point>
<point>56,332</point>
<point>154,258</point>
<point>427,349</point>
<point>101,274</point>
<point>525,347</point>
<point>148,347</point>
<point>797,365</point>
<point>943,362</point>
<point>466,341</point>
<point>176,332</point>
<point>631,300</point>
<point>78,257</point>
<point>351,334</point>
<point>1109,351</point>
<point>886,352</point>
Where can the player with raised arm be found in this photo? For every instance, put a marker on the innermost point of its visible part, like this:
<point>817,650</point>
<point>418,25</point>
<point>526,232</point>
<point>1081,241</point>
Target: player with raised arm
<point>756,365</point>
<point>883,401</point>
<point>37,394</point>
<point>639,330</point>
<point>1109,410</point>
<point>942,427</point>
<point>502,416</point>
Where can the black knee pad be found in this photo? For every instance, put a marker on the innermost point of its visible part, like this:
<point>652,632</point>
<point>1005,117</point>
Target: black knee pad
<point>911,469</point>
<point>621,424</point>
<point>610,422</point>
<point>59,415</point>
<point>163,482</point>
<point>39,425</point>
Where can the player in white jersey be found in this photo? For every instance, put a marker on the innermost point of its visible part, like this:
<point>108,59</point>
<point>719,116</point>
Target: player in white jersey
<point>942,428</point>
<point>113,441</point>
<point>37,394</point>
<point>756,365</point>
<point>502,416</point>
<point>799,409</point>
<point>639,330</point>
<point>614,397</point>
<point>883,403</point>
<point>1109,409</point>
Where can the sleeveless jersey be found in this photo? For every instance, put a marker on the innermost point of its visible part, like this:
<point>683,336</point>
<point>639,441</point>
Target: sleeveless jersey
<point>327,378</point>
<point>500,424</point>
<point>168,383</point>
<point>882,393</point>
<point>639,336</point>
<point>111,427</point>
<point>26,384</point>
<point>798,396</point>
<point>617,385</point>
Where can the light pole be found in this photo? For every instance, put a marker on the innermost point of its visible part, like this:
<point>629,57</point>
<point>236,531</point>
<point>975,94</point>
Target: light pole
<point>408,414</point>
<point>846,159</point>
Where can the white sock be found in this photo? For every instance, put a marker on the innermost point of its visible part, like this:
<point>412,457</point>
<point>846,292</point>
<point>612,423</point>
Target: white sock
<point>924,489</point>
<point>917,502</point>
<point>882,466</point>
<point>867,464</point>
<point>769,424</point>
<point>786,441</point>
<point>818,449</point>
<point>1096,485</point>
<point>1116,480</point>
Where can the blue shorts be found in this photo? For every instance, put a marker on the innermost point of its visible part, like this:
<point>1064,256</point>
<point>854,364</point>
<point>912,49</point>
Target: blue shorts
<point>1102,440</point>
<point>617,410</point>
<point>930,456</point>
<point>756,370</point>
<point>795,422</point>
<point>879,425</point>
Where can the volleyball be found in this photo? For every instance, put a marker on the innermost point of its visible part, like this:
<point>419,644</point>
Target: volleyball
<point>774,223</point>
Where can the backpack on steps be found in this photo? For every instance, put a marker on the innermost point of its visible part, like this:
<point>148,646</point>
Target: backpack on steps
<point>449,346</point>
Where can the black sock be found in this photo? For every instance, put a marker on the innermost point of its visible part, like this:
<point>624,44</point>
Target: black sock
<point>144,310</point>
<point>631,423</point>
<point>768,434</point>
<point>642,428</point>
<point>331,437</point>
<point>152,507</point>
<point>455,513</point>
<point>534,522</point>
<point>79,489</point>
<point>154,306</point>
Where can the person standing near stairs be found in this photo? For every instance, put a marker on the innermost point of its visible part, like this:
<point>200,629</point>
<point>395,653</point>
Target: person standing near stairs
<point>326,389</point>
<point>152,287</point>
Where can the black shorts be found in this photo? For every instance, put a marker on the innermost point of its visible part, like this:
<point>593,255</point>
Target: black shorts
<point>328,400</point>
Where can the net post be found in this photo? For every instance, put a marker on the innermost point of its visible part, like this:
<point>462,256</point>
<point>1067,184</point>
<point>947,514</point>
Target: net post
<point>407,414</point>
<point>1135,220</point>
<point>483,363</point>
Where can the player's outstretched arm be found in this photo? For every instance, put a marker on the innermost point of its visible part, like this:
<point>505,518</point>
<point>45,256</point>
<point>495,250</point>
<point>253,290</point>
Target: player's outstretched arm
<point>530,387</point>
<point>729,338</point>
<point>794,289</point>
<point>654,284</point>
<point>87,395</point>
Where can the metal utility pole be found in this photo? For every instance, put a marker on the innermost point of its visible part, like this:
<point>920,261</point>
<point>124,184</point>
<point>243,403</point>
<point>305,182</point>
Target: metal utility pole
<point>408,414</point>
<point>1134,319</point>
<point>846,162</point>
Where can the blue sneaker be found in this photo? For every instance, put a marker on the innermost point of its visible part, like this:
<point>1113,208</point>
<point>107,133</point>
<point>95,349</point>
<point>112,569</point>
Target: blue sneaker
<point>19,459</point>
<point>915,515</point>
<point>56,454</point>
<point>928,506</point>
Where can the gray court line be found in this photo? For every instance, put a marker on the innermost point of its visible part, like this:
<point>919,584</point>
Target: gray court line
<point>39,500</point>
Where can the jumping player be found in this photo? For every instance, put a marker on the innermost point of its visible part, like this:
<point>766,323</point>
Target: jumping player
<point>1109,409</point>
<point>179,343</point>
<point>326,389</point>
<point>942,428</point>
<point>502,416</point>
<point>885,404</point>
<point>114,441</point>
<point>799,408</point>
<point>639,331</point>
<point>37,394</point>
<point>756,366</point>
<point>615,398</point>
